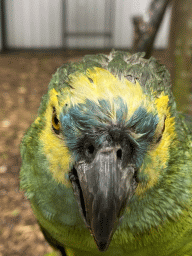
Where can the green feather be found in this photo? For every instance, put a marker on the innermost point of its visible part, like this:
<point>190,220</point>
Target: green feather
<point>157,221</point>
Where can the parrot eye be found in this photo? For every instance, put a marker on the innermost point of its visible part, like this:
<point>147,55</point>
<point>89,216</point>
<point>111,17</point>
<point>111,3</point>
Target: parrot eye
<point>158,139</point>
<point>55,122</point>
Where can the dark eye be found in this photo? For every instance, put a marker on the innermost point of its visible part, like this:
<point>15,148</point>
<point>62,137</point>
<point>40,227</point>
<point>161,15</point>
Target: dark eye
<point>55,122</point>
<point>161,135</point>
<point>158,139</point>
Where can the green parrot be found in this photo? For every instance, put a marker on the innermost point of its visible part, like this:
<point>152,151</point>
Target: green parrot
<point>107,164</point>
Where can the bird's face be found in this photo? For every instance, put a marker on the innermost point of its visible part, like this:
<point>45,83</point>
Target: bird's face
<point>104,173</point>
<point>102,131</point>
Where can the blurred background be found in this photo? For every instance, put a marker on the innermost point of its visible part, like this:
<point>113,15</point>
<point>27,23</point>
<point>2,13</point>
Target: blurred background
<point>76,24</point>
<point>38,36</point>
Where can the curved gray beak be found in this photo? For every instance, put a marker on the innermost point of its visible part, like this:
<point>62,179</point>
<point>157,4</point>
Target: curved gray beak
<point>102,189</point>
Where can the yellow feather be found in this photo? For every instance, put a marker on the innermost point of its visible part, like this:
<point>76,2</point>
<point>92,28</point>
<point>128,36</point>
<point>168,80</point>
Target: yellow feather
<point>160,153</point>
<point>104,86</point>
<point>54,147</point>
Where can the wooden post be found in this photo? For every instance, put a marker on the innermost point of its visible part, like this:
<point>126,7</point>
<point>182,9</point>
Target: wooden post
<point>180,48</point>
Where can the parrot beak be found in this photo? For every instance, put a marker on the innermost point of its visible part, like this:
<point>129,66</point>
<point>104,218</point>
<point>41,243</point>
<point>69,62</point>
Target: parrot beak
<point>102,189</point>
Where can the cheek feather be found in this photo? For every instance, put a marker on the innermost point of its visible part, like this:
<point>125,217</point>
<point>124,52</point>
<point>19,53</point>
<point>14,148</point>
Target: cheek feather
<point>54,147</point>
<point>158,156</point>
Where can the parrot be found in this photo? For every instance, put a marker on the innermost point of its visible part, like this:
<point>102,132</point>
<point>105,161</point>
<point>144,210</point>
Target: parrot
<point>107,163</point>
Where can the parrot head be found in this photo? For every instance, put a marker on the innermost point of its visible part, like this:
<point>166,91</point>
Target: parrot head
<point>112,140</point>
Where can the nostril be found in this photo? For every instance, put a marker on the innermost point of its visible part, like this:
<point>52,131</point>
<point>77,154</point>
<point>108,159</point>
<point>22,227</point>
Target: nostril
<point>119,153</point>
<point>91,149</point>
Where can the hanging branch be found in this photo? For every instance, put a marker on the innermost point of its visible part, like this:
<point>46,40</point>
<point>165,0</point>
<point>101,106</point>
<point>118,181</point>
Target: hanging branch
<point>146,27</point>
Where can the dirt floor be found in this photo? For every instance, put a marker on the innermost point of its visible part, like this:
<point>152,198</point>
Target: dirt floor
<point>23,79</point>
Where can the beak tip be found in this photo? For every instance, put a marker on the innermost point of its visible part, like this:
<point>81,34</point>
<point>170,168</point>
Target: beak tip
<point>102,245</point>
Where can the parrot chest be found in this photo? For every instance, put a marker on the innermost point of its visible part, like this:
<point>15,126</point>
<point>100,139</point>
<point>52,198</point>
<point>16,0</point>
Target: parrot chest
<point>79,242</point>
